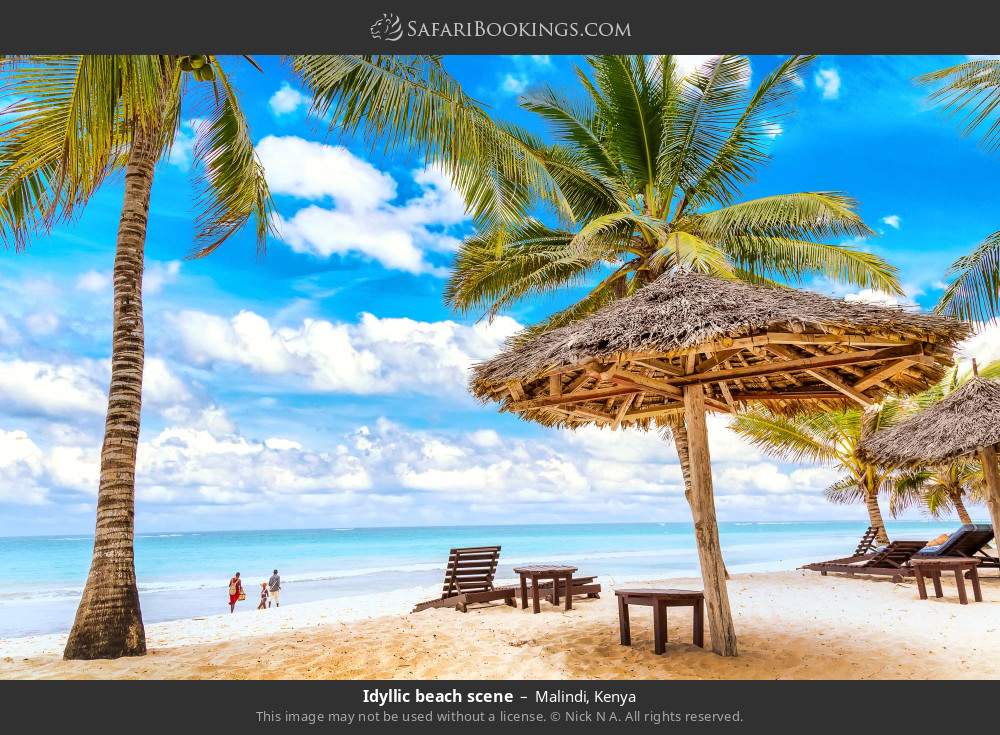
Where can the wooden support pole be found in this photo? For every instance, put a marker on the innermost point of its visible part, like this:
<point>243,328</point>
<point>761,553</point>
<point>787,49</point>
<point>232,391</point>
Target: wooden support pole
<point>988,458</point>
<point>706,528</point>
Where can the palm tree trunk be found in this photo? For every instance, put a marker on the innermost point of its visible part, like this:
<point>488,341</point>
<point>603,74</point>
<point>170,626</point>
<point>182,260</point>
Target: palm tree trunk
<point>108,622</point>
<point>963,513</point>
<point>706,529</point>
<point>991,472</point>
<point>680,435</point>
<point>875,516</point>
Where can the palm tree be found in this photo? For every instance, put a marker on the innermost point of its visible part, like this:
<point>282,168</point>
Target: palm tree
<point>973,89</point>
<point>643,175</point>
<point>647,167</point>
<point>940,490</point>
<point>831,438</point>
<point>650,165</point>
<point>76,122</point>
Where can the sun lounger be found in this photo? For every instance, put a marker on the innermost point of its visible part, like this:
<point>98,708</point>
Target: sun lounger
<point>468,579</point>
<point>868,542</point>
<point>969,540</point>
<point>890,560</point>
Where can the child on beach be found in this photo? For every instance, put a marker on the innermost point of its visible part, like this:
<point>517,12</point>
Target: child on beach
<point>263,596</point>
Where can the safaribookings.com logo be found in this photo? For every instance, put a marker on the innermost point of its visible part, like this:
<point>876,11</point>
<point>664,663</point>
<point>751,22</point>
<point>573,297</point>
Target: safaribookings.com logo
<point>390,28</point>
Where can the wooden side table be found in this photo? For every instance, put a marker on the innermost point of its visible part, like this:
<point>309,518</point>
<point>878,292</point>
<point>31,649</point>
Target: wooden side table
<point>535,572</point>
<point>660,600</point>
<point>957,564</point>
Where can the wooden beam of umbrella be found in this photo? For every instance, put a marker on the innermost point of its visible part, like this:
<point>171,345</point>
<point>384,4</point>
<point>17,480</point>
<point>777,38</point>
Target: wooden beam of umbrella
<point>690,343</point>
<point>967,422</point>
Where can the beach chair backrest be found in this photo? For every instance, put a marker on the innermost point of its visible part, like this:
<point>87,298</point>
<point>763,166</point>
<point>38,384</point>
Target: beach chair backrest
<point>470,569</point>
<point>967,540</point>
<point>867,542</point>
<point>895,554</point>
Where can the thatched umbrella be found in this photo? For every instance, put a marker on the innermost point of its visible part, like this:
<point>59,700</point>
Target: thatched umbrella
<point>688,343</point>
<point>966,422</point>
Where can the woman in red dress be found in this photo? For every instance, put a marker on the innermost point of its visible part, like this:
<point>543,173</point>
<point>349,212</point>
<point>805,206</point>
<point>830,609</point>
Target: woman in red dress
<point>235,591</point>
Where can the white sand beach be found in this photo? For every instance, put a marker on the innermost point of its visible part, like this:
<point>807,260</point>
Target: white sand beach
<point>791,625</point>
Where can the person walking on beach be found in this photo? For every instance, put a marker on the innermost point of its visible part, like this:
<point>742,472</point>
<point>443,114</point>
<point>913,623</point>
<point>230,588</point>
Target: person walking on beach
<point>263,597</point>
<point>274,585</point>
<point>235,591</point>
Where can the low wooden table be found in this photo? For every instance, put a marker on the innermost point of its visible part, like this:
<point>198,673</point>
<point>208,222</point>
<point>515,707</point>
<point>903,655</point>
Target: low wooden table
<point>535,572</point>
<point>660,600</point>
<point>957,564</point>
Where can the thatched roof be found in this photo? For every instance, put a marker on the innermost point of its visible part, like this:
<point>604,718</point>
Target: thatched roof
<point>625,364</point>
<point>965,421</point>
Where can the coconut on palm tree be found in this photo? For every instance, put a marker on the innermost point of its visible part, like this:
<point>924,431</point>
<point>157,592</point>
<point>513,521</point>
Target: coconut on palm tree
<point>76,123</point>
<point>972,90</point>
<point>830,438</point>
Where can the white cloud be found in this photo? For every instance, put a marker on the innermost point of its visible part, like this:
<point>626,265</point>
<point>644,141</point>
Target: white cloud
<point>371,356</point>
<point>42,324</point>
<point>94,281</point>
<point>287,100</point>
<point>485,438</point>
<point>513,84</point>
<point>410,475</point>
<point>185,139</point>
<point>79,388</point>
<point>317,171</point>
<point>687,63</point>
<point>51,389</point>
<point>364,219</point>
<point>21,466</point>
<point>873,296</point>
<point>773,129</point>
<point>828,82</point>
<point>893,220</point>
<point>8,334</point>
<point>159,274</point>
<point>984,345</point>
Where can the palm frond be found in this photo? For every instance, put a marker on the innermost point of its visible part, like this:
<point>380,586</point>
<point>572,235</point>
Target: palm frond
<point>630,114</point>
<point>974,294</point>
<point>707,109</point>
<point>413,100</point>
<point>493,269</point>
<point>971,89</point>
<point>747,144</point>
<point>845,491</point>
<point>804,215</point>
<point>64,134</point>
<point>800,438</point>
<point>235,189</point>
<point>615,286</point>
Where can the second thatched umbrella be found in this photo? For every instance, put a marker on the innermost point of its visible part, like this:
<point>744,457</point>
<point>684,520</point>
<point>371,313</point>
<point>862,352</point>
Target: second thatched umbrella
<point>688,343</point>
<point>967,422</point>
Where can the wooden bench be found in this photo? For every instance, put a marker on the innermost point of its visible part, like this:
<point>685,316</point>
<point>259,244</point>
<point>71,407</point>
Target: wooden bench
<point>660,600</point>
<point>957,564</point>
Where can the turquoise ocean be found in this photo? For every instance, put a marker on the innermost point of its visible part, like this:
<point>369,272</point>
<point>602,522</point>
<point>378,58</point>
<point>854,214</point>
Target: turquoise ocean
<point>184,575</point>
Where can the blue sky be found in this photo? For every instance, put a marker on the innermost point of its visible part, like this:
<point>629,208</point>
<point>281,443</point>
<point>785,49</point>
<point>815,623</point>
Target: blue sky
<point>323,384</point>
